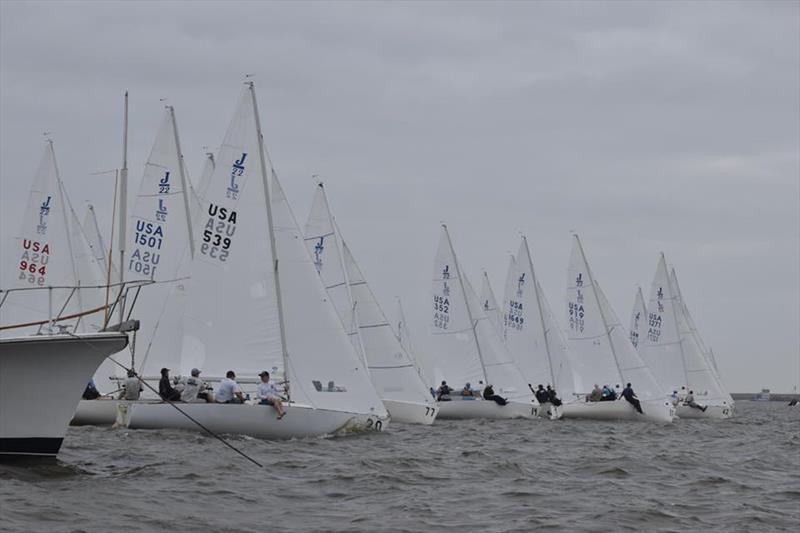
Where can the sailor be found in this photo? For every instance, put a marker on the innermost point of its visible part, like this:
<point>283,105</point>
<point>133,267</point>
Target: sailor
<point>193,388</point>
<point>488,394</point>
<point>467,392</point>
<point>689,400</point>
<point>268,394</point>
<point>228,390</point>
<point>91,392</point>
<point>132,388</point>
<point>541,395</point>
<point>553,397</point>
<point>629,395</point>
<point>596,395</point>
<point>608,394</point>
<point>165,389</point>
<point>443,392</point>
<point>674,398</point>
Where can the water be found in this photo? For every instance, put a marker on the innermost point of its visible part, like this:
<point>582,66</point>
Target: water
<point>482,475</point>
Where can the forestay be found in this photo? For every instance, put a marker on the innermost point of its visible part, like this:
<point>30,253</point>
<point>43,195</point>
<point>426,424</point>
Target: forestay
<point>599,344</point>
<point>532,335</point>
<point>638,329</point>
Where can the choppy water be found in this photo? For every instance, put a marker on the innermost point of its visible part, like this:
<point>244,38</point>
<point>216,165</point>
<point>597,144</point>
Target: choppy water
<point>736,475</point>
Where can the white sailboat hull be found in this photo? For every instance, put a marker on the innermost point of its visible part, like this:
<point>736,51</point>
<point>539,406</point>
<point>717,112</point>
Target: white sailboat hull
<point>258,421</point>
<point>618,410</point>
<point>712,411</point>
<point>464,409</point>
<point>410,412</point>
<point>548,410</point>
<point>32,423</point>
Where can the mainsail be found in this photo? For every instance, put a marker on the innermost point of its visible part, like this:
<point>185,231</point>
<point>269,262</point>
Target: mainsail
<point>599,344</point>
<point>489,303</point>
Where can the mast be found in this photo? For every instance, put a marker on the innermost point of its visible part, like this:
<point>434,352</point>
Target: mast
<point>184,181</point>
<point>271,232</point>
<point>472,323</point>
<point>600,306</point>
<point>541,313</point>
<point>123,206</point>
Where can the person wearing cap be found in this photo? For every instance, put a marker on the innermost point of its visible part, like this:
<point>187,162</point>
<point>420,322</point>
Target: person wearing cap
<point>268,394</point>
<point>193,388</point>
<point>165,389</point>
<point>228,391</point>
<point>132,387</point>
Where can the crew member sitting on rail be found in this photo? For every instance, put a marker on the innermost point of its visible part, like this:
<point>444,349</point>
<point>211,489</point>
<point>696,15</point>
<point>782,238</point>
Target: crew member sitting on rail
<point>132,388</point>
<point>443,392</point>
<point>228,391</point>
<point>193,388</point>
<point>629,395</point>
<point>468,393</point>
<point>165,389</point>
<point>488,394</point>
<point>689,400</point>
<point>268,394</point>
<point>608,394</point>
<point>596,395</point>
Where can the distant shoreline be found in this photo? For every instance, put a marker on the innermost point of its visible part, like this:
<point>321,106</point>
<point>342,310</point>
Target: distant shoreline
<point>773,396</point>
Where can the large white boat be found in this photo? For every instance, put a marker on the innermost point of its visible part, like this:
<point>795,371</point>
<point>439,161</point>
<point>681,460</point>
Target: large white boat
<point>673,352</point>
<point>468,348</point>
<point>602,352</point>
<point>391,368</point>
<point>32,423</point>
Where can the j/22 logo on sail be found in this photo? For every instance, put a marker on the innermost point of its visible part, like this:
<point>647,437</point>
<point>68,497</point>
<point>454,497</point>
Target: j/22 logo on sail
<point>237,170</point>
<point>218,232</point>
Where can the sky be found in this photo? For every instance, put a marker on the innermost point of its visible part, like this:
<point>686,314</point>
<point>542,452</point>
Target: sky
<point>642,126</point>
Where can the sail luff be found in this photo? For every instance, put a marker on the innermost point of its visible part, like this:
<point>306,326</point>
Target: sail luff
<point>538,296</point>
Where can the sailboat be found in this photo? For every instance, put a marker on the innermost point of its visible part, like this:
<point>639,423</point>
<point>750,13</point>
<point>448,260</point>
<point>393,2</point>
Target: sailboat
<point>256,302</point>
<point>160,250</point>
<point>602,352</point>
<point>531,332</point>
<point>390,367</point>
<point>468,348</point>
<point>675,355</point>
<point>638,330</point>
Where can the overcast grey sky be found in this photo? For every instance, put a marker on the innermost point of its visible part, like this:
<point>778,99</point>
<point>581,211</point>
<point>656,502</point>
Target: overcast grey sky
<point>645,127</point>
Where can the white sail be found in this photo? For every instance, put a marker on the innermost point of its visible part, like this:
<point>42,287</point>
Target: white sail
<point>694,344</point>
<point>392,369</point>
<point>466,344</point>
<point>324,366</point>
<point>159,250</point>
<point>325,246</point>
<point>231,320</point>
<point>638,329</point>
<point>42,254</point>
<point>532,335</point>
<point>198,191</point>
<point>600,346</point>
<point>489,303</point>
